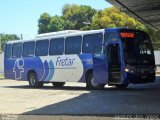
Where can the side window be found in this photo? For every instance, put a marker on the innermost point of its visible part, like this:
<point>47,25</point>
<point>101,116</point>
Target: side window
<point>92,43</point>
<point>28,49</point>
<point>110,36</point>
<point>42,47</point>
<point>73,45</point>
<point>8,50</point>
<point>17,50</point>
<point>56,46</point>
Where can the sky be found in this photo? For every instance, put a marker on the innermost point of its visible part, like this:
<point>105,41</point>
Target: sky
<point>21,16</point>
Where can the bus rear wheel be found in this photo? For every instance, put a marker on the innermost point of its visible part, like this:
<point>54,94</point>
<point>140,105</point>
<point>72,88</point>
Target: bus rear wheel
<point>33,82</point>
<point>121,86</point>
<point>58,84</point>
<point>91,85</point>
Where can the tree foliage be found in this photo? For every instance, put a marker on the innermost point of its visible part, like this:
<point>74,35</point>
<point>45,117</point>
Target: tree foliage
<point>43,23</point>
<point>82,17</point>
<point>7,37</point>
<point>78,15</point>
<point>112,17</point>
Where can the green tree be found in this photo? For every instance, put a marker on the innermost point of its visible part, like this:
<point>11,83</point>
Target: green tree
<point>155,37</point>
<point>44,23</point>
<point>7,37</point>
<point>112,17</point>
<point>78,15</point>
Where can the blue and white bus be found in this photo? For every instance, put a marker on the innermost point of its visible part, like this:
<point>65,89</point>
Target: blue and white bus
<point>116,56</point>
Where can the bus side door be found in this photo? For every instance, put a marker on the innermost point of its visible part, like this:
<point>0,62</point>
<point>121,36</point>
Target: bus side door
<point>100,69</point>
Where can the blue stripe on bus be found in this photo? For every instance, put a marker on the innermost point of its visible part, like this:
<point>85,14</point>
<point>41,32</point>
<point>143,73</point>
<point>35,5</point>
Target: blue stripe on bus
<point>51,71</point>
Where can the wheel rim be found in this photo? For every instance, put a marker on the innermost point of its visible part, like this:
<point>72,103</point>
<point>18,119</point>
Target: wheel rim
<point>32,80</point>
<point>92,82</point>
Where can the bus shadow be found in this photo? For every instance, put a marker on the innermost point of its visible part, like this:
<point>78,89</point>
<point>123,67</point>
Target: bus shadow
<point>141,87</point>
<point>105,103</point>
<point>131,87</point>
<point>48,87</point>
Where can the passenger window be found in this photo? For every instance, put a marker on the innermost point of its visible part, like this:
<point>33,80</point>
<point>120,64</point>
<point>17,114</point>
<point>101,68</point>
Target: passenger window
<point>28,49</point>
<point>110,36</point>
<point>73,45</point>
<point>92,43</point>
<point>17,50</point>
<point>56,46</point>
<point>8,50</point>
<point>42,47</point>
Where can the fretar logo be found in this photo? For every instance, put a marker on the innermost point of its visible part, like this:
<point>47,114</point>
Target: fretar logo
<point>18,68</point>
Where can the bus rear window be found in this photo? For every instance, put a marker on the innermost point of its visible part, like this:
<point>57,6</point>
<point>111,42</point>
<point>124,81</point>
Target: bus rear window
<point>8,50</point>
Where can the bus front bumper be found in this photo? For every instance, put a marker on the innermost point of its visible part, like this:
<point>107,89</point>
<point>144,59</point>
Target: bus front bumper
<point>140,77</point>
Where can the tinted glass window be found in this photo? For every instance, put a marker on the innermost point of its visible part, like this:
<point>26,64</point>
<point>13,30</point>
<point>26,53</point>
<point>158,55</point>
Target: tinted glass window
<point>110,36</point>
<point>17,50</point>
<point>42,47</point>
<point>28,49</point>
<point>73,45</point>
<point>92,43</point>
<point>8,50</point>
<point>56,46</point>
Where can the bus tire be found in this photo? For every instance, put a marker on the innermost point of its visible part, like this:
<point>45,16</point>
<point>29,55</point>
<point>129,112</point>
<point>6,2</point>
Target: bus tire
<point>58,84</point>
<point>33,82</point>
<point>121,86</point>
<point>90,83</point>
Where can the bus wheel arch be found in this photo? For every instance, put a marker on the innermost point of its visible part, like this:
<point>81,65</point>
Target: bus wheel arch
<point>32,79</point>
<point>89,81</point>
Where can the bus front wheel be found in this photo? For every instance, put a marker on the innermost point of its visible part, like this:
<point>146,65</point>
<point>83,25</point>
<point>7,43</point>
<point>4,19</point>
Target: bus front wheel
<point>90,83</point>
<point>33,82</point>
<point>58,84</point>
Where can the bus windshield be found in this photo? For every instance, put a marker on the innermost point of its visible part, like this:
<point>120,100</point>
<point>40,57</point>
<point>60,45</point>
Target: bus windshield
<point>137,48</point>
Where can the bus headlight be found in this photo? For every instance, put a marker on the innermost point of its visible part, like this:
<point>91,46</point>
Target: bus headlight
<point>126,70</point>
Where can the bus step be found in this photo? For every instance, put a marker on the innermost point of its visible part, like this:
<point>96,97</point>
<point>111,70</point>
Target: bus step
<point>114,83</point>
<point>115,69</point>
<point>115,74</point>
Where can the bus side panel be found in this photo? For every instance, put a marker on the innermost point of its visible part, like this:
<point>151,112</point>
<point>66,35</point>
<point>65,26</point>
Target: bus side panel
<point>100,69</point>
<point>33,64</point>
<point>87,60</point>
<point>18,68</point>
<point>62,68</point>
<point>124,79</point>
<point>8,68</point>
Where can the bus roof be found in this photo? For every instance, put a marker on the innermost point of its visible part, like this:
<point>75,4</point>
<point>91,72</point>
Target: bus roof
<point>58,35</point>
<point>67,33</point>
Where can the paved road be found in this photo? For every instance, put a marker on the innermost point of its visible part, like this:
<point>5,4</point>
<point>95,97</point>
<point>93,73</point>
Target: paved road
<point>73,99</point>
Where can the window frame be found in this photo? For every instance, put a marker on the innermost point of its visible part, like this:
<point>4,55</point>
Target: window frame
<point>6,50</point>
<point>47,48</point>
<point>79,46</point>
<point>21,49</point>
<point>102,43</point>
<point>33,48</point>
<point>53,39</point>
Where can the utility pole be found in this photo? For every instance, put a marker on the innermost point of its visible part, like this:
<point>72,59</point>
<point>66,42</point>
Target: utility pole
<point>21,37</point>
